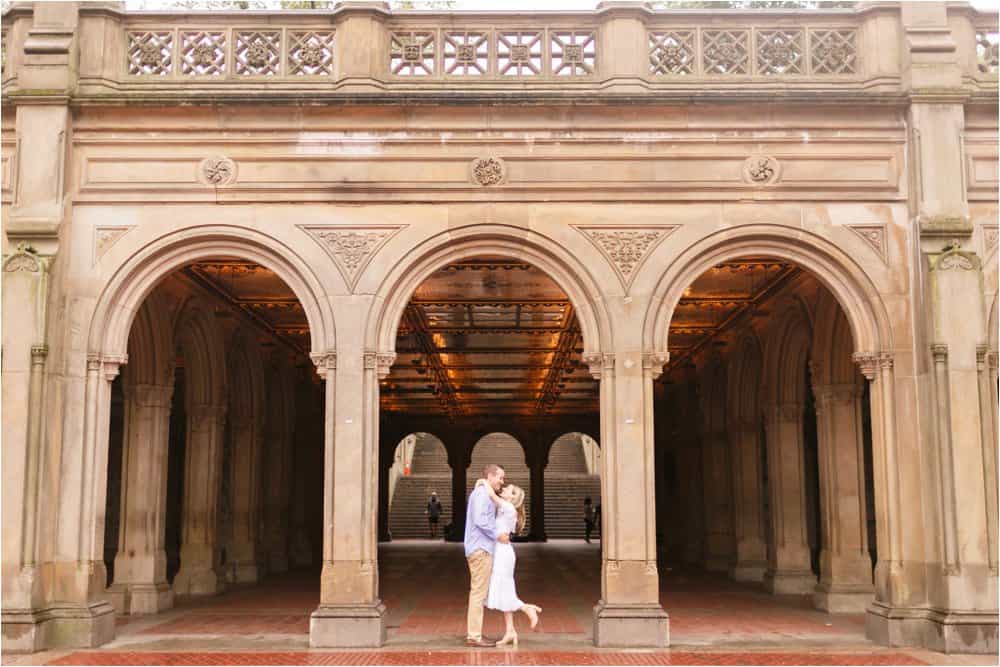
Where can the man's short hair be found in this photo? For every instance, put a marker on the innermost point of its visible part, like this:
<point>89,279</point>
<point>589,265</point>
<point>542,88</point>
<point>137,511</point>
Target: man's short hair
<point>491,469</point>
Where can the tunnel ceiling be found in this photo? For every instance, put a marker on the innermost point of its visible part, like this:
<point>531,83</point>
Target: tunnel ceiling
<point>495,336</point>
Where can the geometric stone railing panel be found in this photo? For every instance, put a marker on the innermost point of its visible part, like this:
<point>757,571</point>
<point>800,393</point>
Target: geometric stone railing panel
<point>229,52</point>
<point>753,51</point>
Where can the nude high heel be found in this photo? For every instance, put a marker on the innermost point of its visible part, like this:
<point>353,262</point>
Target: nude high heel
<point>508,639</point>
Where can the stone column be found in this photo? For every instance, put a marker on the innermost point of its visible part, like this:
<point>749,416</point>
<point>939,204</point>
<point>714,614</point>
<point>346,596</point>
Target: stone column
<point>537,469</point>
<point>629,611</point>
<point>278,453</point>
<point>986,366</point>
<point>350,612</point>
<point>788,568</point>
<point>751,542</point>
<point>845,581</point>
<point>459,461</point>
<point>199,573</point>
<point>247,482</point>
<point>140,585</point>
<point>43,56</point>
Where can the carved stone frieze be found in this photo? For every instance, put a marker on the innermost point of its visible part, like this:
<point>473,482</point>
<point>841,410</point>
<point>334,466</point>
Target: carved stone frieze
<point>626,247</point>
<point>352,248</point>
<point>488,171</point>
<point>873,235</point>
<point>217,171</point>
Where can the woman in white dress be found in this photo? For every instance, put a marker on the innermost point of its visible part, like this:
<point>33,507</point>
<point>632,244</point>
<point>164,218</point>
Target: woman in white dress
<point>502,595</point>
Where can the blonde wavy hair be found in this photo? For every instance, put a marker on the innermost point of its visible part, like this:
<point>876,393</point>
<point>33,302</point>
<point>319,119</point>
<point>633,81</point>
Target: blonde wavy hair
<point>517,501</point>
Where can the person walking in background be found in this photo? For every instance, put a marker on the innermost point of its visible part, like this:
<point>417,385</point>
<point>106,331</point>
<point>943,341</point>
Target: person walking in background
<point>588,518</point>
<point>433,512</point>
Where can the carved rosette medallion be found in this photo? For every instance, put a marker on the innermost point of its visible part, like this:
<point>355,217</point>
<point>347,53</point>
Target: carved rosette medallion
<point>761,170</point>
<point>626,248</point>
<point>217,171</point>
<point>352,248</point>
<point>488,171</point>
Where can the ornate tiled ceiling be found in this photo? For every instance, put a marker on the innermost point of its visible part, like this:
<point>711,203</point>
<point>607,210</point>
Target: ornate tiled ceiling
<point>497,336</point>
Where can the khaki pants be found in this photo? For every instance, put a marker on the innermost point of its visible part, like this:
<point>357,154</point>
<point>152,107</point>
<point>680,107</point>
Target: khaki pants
<point>480,568</point>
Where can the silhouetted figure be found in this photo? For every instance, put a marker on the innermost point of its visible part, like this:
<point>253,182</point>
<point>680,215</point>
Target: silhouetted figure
<point>433,512</point>
<point>589,516</point>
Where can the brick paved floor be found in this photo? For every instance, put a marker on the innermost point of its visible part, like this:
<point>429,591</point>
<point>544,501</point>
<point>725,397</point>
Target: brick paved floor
<point>424,587</point>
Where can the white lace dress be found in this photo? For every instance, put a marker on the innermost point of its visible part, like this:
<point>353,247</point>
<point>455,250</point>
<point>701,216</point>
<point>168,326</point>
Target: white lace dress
<point>502,595</point>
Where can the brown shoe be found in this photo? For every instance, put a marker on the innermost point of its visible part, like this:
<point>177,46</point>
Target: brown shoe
<point>479,643</point>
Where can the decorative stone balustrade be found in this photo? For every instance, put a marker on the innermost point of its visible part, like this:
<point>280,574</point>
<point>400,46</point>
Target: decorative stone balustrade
<point>621,47</point>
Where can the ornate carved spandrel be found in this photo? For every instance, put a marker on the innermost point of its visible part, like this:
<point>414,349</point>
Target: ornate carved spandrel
<point>203,53</point>
<point>780,52</point>
<point>987,50</point>
<point>105,237</point>
<point>519,52</point>
<point>310,53</point>
<point>626,248</point>
<point>574,52</point>
<point>412,53</point>
<point>258,52</point>
<point>833,51</point>
<point>466,53</point>
<point>874,236</point>
<point>352,248</point>
<point>150,52</point>
<point>672,53</point>
<point>725,51</point>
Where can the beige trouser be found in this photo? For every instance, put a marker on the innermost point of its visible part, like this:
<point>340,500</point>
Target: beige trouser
<point>480,568</point>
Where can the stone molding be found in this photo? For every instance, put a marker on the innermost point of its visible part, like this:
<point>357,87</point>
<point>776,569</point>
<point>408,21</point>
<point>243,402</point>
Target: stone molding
<point>105,236</point>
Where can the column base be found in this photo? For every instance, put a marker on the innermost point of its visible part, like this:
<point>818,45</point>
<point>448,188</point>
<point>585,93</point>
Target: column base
<point>843,599</point>
<point>631,626</point>
<point>748,572</point>
<point>63,626</point>
<point>944,632</point>
<point>790,582</point>
<point>348,626</point>
<point>198,582</point>
<point>21,631</point>
<point>246,573</point>
<point>137,599</point>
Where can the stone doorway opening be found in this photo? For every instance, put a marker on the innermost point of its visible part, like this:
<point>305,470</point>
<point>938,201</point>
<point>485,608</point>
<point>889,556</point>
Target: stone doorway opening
<point>764,439</point>
<point>215,453</point>
<point>488,369</point>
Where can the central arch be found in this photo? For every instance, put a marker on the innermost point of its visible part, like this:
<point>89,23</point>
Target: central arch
<point>488,239</point>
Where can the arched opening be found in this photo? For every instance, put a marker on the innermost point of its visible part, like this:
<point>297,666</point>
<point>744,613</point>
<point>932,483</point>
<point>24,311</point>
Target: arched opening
<point>418,476</point>
<point>488,358</point>
<point>764,442</point>
<point>572,483</point>
<point>215,465</point>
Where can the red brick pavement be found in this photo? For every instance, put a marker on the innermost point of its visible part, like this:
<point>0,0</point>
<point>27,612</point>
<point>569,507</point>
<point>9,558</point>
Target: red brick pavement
<point>482,658</point>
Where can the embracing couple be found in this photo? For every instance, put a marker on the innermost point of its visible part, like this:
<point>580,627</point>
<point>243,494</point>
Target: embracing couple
<point>495,513</point>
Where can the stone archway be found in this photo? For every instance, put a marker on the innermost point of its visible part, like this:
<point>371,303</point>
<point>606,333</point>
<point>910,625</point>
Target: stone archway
<point>865,317</point>
<point>125,290</point>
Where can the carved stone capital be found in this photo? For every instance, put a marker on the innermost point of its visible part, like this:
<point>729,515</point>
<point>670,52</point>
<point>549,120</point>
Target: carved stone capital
<point>107,365</point>
<point>24,259</point>
<point>836,392</point>
<point>325,362</point>
<point>953,258</point>
<point>653,363</point>
<point>600,363</point>
<point>870,362</point>
<point>940,352</point>
<point>151,395</point>
<point>204,416</point>
<point>380,362</point>
<point>38,354</point>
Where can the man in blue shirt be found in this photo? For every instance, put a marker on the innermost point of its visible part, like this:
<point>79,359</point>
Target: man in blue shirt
<point>480,540</point>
